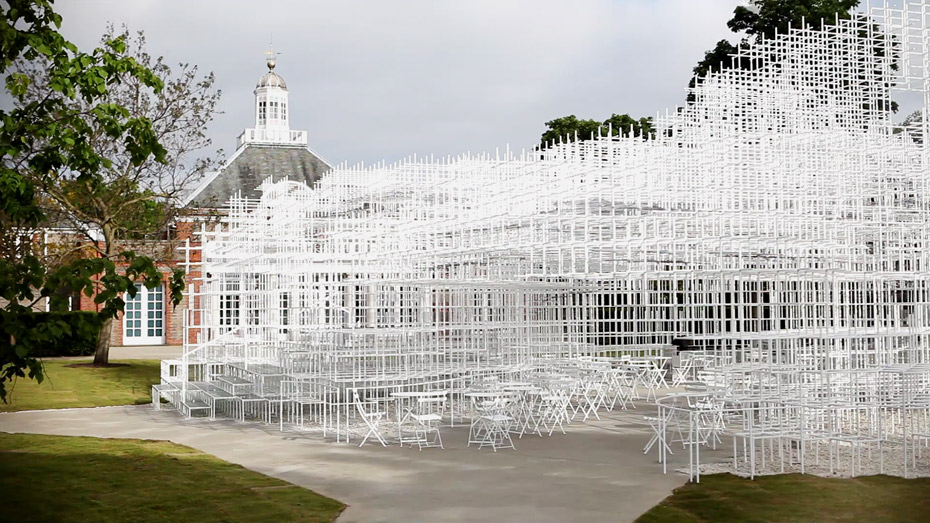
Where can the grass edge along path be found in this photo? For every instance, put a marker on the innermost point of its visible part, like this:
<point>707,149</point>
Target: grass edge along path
<point>71,478</point>
<point>70,386</point>
<point>795,498</point>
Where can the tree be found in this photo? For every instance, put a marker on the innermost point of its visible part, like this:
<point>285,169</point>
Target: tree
<point>50,138</point>
<point>131,201</point>
<point>913,125</point>
<point>716,59</point>
<point>764,19</point>
<point>626,125</point>
<point>568,128</point>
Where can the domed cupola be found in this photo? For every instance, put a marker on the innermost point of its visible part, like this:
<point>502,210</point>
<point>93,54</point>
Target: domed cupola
<point>270,150</point>
<point>271,111</point>
<point>271,79</point>
<point>271,100</point>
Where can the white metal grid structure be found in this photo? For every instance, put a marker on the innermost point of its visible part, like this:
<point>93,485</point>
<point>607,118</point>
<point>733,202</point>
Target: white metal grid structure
<point>777,228</point>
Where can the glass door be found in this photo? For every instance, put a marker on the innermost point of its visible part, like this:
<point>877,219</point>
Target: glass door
<point>144,317</point>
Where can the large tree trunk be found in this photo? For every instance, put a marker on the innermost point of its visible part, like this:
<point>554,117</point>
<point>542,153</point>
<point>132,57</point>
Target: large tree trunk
<point>102,354</point>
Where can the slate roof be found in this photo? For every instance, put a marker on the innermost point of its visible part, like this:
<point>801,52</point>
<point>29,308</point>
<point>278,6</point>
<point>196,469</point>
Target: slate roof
<point>250,166</point>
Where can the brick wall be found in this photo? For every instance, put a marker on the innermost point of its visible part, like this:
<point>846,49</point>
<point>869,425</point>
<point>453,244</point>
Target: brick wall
<point>173,321</point>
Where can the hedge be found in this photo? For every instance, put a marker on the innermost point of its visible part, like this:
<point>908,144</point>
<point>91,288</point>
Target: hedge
<point>85,326</point>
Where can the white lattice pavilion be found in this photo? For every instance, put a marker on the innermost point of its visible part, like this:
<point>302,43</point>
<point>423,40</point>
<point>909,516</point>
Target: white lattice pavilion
<point>778,226</point>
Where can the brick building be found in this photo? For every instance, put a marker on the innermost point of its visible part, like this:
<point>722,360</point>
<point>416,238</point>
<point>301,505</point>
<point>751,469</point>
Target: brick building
<point>272,149</point>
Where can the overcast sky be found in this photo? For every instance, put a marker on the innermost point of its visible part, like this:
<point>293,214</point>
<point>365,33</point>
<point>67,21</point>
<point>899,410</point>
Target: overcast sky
<point>380,80</point>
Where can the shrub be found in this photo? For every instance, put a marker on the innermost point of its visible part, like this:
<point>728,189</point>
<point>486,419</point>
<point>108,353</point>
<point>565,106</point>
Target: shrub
<point>83,325</point>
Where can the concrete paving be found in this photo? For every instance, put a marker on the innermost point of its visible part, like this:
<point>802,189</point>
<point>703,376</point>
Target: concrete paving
<point>146,352</point>
<point>597,472</point>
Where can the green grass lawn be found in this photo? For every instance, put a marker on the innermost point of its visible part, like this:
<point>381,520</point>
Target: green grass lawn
<point>66,386</point>
<point>795,498</point>
<point>74,479</point>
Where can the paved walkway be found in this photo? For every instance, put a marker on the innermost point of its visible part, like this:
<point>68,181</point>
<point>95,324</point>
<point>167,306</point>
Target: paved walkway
<point>597,472</point>
<point>146,352</point>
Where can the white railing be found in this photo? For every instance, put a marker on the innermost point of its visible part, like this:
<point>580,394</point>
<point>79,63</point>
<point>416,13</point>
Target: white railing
<point>272,136</point>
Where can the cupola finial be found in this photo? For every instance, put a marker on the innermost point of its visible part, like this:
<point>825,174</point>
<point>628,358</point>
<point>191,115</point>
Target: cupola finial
<point>272,59</point>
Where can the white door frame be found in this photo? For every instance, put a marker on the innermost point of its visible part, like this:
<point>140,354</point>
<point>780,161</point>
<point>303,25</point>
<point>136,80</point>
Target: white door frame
<point>144,317</point>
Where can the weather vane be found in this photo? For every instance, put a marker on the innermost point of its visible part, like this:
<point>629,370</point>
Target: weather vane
<point>271,54</point>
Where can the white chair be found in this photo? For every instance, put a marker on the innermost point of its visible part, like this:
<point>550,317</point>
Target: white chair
<point>622,383</point>
<point>659,425</point>
<point>428,414</point>
<point>554,407</point>
<point>371,415</point>
<point>594,389</point>
<point>710,420</point>
<point>491,422</point>
<point>526,410</point>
